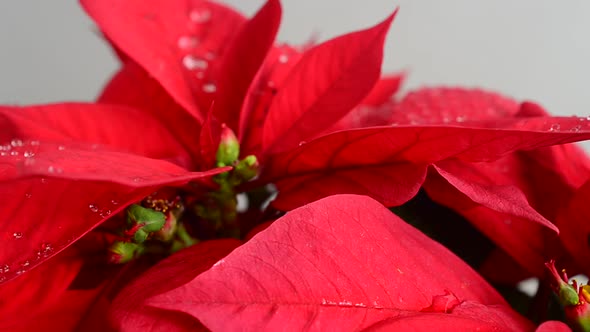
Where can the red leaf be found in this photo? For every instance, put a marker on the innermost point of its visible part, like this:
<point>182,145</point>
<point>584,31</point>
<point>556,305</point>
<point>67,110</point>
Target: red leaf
<point>342,261</point>
<point>39,290</point>
<point>402,153</point>
<point>62,192</point>
<point>209,139</point>
<point>371,112</point>
<point>507,231</point>
<point>448,105</point>
<point>553,326</point>
<point>384,90</point>
<point>127,309</point>
<point>174,41</point>
<point>133,86</point>
<point>270,78</point>
<point>505,199</point>
<point>237,71</point>
<point>326,84</point>
<point>392,184</point>
<point>122,128</point>
<point>574,227</point>
<point>65,315</point>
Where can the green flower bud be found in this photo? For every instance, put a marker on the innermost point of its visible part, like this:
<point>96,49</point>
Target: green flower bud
<point>122,252</point>
<point>229,147</point>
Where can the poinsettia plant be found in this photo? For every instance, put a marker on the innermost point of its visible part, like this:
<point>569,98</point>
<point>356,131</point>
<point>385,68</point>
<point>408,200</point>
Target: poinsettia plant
<point>223,181</point>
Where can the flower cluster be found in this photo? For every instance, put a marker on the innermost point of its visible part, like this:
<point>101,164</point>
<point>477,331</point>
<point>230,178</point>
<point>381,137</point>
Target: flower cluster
<point>223,181</point>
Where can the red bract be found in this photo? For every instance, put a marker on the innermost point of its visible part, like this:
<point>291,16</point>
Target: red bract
<point>575,229</point>
<point>201,86</point>
<point>298,112</point>
<point>343,261</point>
<point>60,180</point>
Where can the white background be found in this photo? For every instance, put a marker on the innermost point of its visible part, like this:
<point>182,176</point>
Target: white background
<point>539,50</point>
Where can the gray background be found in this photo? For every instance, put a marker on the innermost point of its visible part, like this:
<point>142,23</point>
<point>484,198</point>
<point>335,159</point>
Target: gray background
<point>527,49</point>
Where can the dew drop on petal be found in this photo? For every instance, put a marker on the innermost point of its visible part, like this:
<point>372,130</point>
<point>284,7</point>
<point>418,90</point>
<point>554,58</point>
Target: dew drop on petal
<point>25,263</point>
<point>209,88</point>
<point>93,208</point>
<point>302,143</point>
<point>51,169</point>
<point>201,15</point>
<point>191,62</point>
<point>43,180</point>
<point>61,148</point>
<point>283,58</point>
<point>105,213</point>
<point>187,42</point>
<point>29,154</point>
<point>17,235</point>
<point>28,195</point>
<point>4,268</point>
<point>16,142</point>
<point>14,153</point>
<point>555,127</point>
<point>47,248</point>
<point>34,143</point>
<point>114,202</point>
<point>576,128</point>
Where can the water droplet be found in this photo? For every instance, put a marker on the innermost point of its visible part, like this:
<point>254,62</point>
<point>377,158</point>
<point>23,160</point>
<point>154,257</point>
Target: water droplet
<point>588,118</point>
<point>28,195</point>
<point>16,142</point>
<point>14,153</point>
<point>43,180</point>
<point>114,202</point>
<point>51,169</point>
<point>283,58</point>
<point>209,88</point>
<point>200,75</point>
<point>191,62</point>
<point>187,42</point>
<point>136,179</point>
<point>29,154</point>
<point>34,143</point>
<point>93,208</point>
<point>2,279</point>
<point>3,153</point>
<point>460,118</point>
<point>25,264</point>
<point>4,268</point>
<point>555,127</point>
<point>46,250</point>
<point>201,15</point>
<point>105,213</point>
<point>17,235</point>
<point>6,147</point>
<point>345,303</point>
<point>61,148</point>
<point>576,128</point>
<point>302,143</point>
<point>20,271</point>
